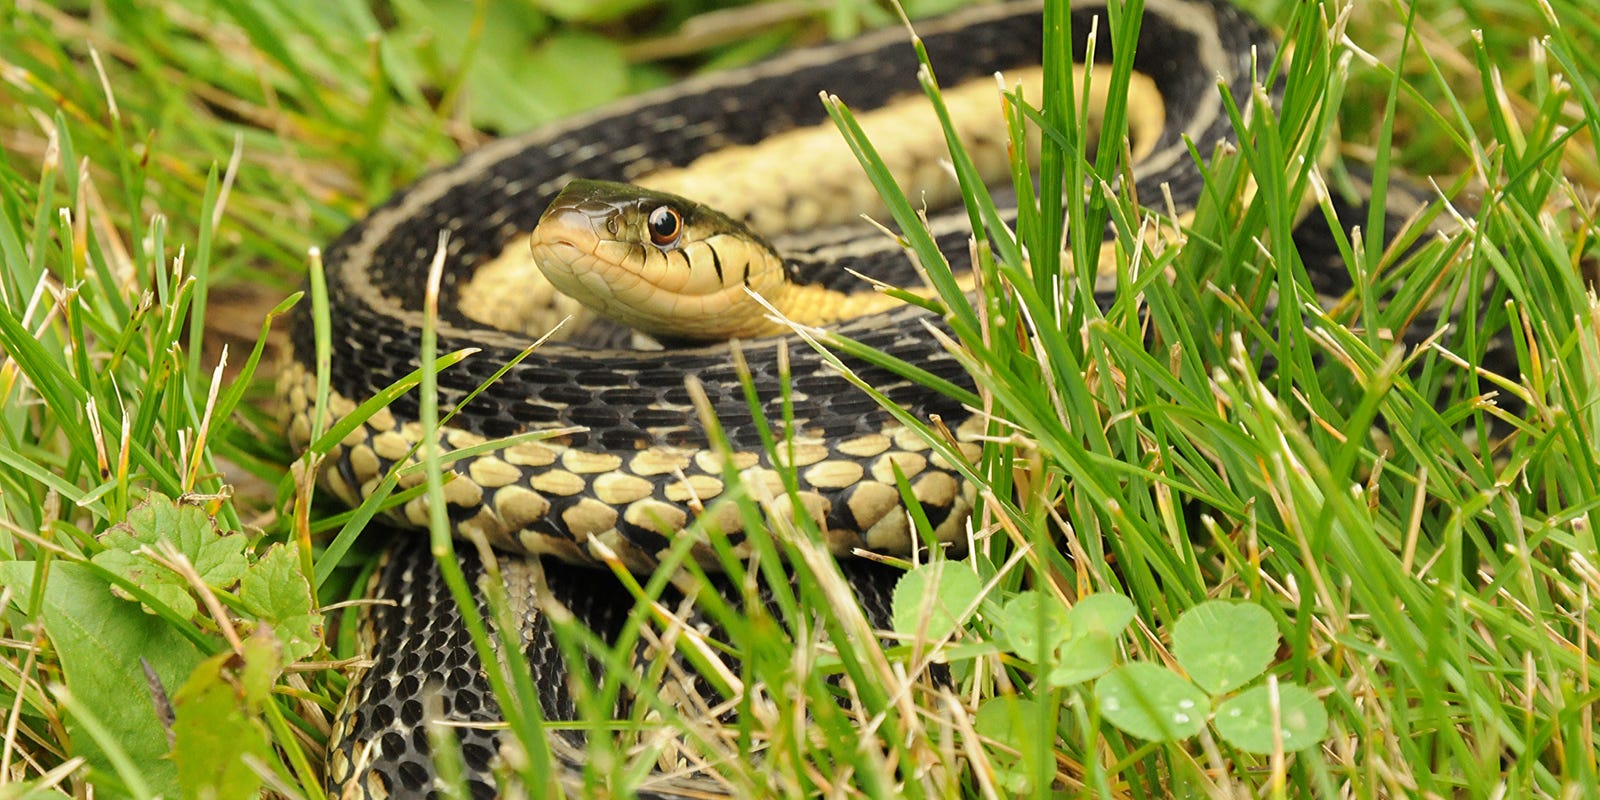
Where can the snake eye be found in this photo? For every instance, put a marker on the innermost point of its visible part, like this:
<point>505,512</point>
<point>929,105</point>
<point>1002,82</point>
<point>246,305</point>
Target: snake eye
<point>665,226</point>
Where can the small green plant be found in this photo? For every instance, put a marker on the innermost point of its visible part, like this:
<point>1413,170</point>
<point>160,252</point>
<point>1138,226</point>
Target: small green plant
<point>168,695</point>
<point>1221,647</point>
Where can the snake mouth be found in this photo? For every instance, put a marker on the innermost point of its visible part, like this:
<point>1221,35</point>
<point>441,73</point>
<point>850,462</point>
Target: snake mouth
<point>564,246</point>
<point>570,243</point>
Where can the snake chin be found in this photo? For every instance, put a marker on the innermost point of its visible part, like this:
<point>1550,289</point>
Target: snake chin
<point>572,268</point>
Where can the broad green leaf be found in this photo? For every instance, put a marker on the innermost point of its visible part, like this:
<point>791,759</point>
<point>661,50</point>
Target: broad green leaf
<point>1026,617</point>
<point>1102,611</point>
<point>1151,702</point>
<point>1008,721</point>
<point>507,28</point>
<point>1096,623</point>
<point>1088,654</point>
<point>930,600</point>
<point>166,586</point>
<point>218,558</point>
<point>1247,722</point>
<point>1223,644</point>
<point>278,594</point>
<point>103,644</point>
<point>580,71</point>
<point>216,725</point>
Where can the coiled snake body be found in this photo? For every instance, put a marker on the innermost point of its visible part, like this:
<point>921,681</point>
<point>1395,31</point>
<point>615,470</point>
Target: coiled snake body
<point>632,467</point>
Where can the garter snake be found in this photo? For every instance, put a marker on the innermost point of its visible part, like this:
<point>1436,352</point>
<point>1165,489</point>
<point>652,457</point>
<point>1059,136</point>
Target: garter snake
<point>631,474</point>
<point>631,466</point>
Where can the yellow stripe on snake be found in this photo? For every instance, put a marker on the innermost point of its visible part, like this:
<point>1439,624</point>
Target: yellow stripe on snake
<point>774,201</point>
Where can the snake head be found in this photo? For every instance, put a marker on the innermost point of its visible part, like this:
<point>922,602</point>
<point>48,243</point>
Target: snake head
<point>661,264</point>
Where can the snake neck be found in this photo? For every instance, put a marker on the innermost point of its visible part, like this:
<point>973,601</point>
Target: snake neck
<point>816,305</point>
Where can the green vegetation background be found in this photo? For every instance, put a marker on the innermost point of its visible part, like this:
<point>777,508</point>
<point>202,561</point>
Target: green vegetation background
<point>168,165</point>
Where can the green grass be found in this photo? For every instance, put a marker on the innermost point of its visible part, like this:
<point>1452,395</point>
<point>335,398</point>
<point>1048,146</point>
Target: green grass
<point>161,163</point>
